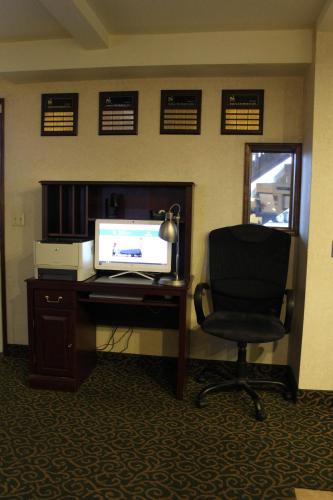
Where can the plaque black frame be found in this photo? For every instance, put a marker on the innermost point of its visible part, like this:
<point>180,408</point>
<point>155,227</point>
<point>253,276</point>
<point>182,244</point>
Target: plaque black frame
<point>251,102</point>
<point>71,106</point>
<point>179,100</point>
<point>130,104</point>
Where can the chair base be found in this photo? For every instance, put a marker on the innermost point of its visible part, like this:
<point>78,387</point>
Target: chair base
<point>243,382</point>
<point>247,386</point>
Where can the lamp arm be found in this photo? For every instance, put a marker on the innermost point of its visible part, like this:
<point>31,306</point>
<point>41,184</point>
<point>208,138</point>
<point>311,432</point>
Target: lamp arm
<point>173,206</point>
<point>176,217</point>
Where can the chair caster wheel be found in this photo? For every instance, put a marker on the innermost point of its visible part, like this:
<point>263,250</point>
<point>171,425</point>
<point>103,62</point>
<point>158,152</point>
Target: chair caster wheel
<point>201,403</point>
<point>259,411</point>
<point>260,415</point>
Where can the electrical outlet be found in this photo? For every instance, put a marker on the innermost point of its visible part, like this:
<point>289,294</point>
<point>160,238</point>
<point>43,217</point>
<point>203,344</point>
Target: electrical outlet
<point>18,220</point>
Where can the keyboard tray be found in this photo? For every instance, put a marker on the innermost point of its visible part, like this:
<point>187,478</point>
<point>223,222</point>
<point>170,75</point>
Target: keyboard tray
<point>124,281</point>
<point>94,295</point>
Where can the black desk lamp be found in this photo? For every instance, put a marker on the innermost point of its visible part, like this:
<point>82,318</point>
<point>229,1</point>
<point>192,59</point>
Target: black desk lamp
<point>169,231</point>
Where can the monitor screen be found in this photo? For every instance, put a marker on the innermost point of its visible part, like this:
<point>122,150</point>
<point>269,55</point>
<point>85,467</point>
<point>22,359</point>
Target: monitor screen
<point>131,245</point>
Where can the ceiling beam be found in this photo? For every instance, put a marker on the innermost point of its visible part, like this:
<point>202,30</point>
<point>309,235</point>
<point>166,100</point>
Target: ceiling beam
<point>325,19</point>
<point>193,53</point>
<point>80,20</point>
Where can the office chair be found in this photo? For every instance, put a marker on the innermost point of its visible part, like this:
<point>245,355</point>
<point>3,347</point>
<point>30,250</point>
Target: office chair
<point>248,267</point>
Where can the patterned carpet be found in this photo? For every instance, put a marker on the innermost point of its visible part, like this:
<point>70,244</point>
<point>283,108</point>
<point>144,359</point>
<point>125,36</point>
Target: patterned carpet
<point>123,436</point>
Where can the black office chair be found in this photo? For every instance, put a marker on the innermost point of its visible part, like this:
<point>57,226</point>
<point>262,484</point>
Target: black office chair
<point>248,271</point>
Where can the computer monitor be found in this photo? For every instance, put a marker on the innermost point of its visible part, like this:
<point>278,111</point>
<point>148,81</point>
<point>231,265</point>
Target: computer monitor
<point>131,246</point>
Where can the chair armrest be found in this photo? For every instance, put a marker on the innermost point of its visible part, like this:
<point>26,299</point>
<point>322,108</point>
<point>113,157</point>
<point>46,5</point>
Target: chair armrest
<point>290,304</point>
<point>198,301</point>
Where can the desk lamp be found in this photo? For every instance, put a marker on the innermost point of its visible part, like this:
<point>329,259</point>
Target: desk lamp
<point>169,231</point>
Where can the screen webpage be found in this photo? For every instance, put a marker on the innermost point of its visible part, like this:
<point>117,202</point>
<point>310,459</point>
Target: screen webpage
<point>132,244</point>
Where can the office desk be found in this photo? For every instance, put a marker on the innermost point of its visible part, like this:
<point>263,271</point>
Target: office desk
<point>62,318</point>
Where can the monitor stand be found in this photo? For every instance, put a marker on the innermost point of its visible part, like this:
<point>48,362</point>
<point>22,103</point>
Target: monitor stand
<point>137,273</point>
<point>127,278</point>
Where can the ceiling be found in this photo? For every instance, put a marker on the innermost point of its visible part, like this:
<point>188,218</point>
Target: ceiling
<point>182,16</point>
<point>46,19</point>
<point>55,39</point>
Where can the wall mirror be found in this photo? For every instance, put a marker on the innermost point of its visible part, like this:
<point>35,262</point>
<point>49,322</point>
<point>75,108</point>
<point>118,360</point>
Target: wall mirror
<point>272,185</point>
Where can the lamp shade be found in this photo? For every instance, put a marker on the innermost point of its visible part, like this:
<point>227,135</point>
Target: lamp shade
<point>168,231</point>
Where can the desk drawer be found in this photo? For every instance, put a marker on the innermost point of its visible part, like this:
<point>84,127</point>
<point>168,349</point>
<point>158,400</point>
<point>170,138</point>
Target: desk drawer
<point>55,298</point>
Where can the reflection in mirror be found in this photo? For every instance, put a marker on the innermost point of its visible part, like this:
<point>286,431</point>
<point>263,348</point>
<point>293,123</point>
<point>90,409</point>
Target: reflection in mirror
<point>271,193</point>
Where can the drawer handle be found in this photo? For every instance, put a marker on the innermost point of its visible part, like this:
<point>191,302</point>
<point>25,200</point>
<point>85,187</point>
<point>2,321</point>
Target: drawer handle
<point>49,301</point>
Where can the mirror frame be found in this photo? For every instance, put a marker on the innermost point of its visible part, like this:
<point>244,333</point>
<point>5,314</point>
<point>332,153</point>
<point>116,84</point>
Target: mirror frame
<point>296,150</point>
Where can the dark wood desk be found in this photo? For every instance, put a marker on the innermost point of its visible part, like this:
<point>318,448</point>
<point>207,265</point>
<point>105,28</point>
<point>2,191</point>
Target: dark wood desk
<point>62,318</point>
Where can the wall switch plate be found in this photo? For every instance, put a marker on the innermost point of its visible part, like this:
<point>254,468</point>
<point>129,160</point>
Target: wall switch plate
<point>18,220</point>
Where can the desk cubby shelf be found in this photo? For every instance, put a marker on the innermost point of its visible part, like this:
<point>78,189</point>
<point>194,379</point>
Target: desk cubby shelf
<point>70,208</point>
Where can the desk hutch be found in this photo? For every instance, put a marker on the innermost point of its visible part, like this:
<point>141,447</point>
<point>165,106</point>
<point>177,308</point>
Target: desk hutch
<point>62,315</point>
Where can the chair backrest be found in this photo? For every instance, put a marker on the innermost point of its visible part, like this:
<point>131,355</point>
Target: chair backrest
<point>248,268</point>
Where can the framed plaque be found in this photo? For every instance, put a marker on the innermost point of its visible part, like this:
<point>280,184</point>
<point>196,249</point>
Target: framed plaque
<point>118,113</point>
<point>59,114</point>
<point>242,112</point>
<point>180,112</point>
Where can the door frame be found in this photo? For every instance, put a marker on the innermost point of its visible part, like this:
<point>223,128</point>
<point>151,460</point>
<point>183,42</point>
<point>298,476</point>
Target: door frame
<point>2,229</point>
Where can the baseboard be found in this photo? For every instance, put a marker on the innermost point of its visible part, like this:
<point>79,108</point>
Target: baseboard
<point>17,350</point>
<point>274,371</point>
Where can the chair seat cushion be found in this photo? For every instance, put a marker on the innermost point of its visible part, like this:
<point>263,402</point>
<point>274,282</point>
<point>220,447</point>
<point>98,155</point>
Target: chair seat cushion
<point>244,327</point>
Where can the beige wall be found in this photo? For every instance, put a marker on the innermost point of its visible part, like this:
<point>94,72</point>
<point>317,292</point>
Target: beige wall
<point>212,161</point>
<point>301,254</point>
<point>316,369</point>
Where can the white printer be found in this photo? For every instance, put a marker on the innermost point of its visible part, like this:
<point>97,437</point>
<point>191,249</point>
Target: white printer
<point>72,261</point>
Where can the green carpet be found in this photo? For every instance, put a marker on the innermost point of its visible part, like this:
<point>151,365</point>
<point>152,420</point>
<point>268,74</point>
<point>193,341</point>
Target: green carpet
<point>124,436</point>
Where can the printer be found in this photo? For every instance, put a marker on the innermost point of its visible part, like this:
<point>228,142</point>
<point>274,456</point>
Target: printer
<point>70,261</point>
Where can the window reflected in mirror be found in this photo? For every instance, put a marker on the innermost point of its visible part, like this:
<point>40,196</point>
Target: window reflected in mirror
<point>272,184</point>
